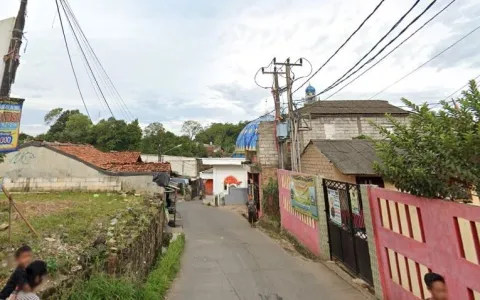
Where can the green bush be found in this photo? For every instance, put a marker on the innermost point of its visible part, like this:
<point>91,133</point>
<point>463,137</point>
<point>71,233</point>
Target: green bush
<point>167,268</point>
<point>105,287</point>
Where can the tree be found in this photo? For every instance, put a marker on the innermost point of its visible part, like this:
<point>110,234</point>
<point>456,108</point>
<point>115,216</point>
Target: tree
<point>154,129</point>
<point>52,115</point>
<point>438,154</point>
<point>78,129</point>
<point>55,133</point>
<point>156,140</point>
<point>24,138</point>
<point>191,128</point>
<point>116,135</point>
<point>221,134</point>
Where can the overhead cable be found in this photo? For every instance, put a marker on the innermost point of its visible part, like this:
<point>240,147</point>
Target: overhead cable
<point>428,61</point>
<point>84,56</point>
<point>338,82</point>
<point>70,59</point>
<point>103,74</point>
<point>341,46</point>
<point>393,50</point>
<point>374,47</point>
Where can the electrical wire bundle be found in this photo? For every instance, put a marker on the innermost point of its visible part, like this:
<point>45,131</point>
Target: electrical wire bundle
<point>370,57</point>
<point>102,84</point>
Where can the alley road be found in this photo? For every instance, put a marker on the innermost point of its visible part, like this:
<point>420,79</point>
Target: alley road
<point>226,259</point>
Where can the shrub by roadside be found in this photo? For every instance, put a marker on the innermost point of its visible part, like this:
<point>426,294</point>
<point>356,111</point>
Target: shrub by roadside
<point>159,280</point>
<point>104,287</point>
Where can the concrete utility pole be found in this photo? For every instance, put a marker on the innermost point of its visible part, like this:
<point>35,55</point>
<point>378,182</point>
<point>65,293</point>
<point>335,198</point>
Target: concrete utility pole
<point>12,57</point>
<point>276,98</point>
<point>294,120</point>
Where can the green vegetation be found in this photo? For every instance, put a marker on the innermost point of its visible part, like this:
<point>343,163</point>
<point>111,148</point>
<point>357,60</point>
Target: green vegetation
<point>437,154</point>
<point>70,222</point>
<point>271,198</point>
<point>104,287</point>
<point>117,135</point>
<point>159,280</point>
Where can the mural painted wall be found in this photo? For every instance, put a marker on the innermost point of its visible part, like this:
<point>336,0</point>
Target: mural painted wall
<point>298,221</point>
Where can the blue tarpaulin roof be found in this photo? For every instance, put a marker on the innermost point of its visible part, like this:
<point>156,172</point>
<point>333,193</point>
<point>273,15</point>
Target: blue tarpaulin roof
<point>247,139</point>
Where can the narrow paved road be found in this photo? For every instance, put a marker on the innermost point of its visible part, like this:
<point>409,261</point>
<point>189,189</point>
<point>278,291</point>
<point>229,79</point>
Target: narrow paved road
<point>226,259</point>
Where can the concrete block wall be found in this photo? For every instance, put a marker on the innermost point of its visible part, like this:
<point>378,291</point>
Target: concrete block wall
<point>62,184</point>
<point>345,127</point>
<point>267,154</point>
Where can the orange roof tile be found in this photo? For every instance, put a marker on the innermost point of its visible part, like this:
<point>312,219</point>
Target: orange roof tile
<point>127,161</point>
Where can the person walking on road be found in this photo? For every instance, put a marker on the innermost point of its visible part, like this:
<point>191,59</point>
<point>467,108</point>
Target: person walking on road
<point>252,211</point>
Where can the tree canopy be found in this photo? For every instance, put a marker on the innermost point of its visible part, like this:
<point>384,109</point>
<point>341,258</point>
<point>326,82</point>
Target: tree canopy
<point>436,155</point>
<point>221,134</point>
<point>117,135</point>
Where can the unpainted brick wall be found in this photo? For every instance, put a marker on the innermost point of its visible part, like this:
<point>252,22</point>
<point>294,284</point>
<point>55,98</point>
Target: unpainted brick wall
<point>315,163</point>
<point>345,127</point>
<point>267,154</point>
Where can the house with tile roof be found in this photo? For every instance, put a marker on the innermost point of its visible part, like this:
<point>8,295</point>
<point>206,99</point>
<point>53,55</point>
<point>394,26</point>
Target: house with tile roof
<point>343,160</point>
<point>64,166</point>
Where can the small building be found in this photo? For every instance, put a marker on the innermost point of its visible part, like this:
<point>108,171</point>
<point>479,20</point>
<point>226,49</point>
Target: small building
<point>225,173</point>
<point>343,160</point>
<point>182,165</point>
<point>347,119</point>
<point>43,166</point>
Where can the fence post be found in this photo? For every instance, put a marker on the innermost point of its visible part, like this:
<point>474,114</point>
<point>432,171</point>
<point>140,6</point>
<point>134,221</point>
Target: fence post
<point>372,249</point>
<point>322,228</point>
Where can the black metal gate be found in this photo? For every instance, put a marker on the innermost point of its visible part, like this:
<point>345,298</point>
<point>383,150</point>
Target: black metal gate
<point>346,227</point>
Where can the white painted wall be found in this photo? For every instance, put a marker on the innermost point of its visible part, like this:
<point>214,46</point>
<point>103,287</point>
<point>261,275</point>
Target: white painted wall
<point>222,172</point>
<point>185,166</point>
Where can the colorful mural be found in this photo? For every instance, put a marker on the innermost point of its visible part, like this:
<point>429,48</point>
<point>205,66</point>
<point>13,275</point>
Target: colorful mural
<point>303,195</point>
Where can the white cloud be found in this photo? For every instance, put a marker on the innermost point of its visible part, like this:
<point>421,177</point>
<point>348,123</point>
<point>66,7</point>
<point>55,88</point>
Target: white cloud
<point>178,60</point>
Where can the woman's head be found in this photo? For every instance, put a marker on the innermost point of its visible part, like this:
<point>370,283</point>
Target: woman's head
<point>35,273</point>
<point>436,285</point>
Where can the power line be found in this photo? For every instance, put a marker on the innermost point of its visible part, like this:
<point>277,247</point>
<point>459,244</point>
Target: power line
<point>425,63</point>
<point>103,73</point>
<point>256,74</point>
<point>341,46</point>
<point>391,51</point>
<point>373,48</point>
<point>83,53</point>
<point>464,86</point>
<point>383,49</point>
<point>70,59</point>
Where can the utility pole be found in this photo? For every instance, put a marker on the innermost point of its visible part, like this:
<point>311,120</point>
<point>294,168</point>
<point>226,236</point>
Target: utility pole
<point>293,118</point>
<point>276,98</point>
<point>12,57</point>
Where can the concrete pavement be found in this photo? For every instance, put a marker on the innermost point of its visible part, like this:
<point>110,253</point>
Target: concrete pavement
<point>226,259</point>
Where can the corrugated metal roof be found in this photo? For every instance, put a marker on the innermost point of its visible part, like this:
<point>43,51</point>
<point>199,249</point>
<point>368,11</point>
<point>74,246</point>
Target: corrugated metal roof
<point>351,157</point>
<point>340,107</point>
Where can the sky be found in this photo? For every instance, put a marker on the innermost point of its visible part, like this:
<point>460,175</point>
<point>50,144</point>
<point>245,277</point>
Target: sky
<point>177,60</point>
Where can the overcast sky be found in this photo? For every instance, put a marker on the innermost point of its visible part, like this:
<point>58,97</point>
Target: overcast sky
<point>176,60</point>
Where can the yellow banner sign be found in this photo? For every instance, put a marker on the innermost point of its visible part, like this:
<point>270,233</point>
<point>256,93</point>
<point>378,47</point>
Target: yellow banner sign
<point>10,115</point>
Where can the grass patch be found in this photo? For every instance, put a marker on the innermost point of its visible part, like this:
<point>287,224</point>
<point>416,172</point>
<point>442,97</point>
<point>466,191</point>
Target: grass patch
<point>104,287</point>
<point>160,279</point>
<point>71,221</point>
